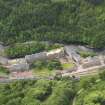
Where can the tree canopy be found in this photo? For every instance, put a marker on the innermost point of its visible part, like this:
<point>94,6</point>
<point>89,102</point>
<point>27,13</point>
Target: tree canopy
<point>66,21</point>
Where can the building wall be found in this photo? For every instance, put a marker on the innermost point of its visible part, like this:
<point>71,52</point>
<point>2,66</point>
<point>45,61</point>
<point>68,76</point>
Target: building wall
<point>19,67</point>
<point>91,64</point>
<point>45,55</point>
<point>22,64</point>
<point>3,60</point>
<point>34,57</point>
<point>58,53</point>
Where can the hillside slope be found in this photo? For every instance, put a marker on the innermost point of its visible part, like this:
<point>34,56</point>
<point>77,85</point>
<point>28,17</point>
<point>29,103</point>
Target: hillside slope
<point>41,92</point>
<point>67,21</point>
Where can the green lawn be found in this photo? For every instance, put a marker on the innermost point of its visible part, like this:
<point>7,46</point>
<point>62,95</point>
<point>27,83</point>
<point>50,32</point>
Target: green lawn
<point>67,65</point>
<point>44,72</point>
<point>85,54</point>
<point>3,71</point>
<point>3,74</point>
<point>46,68</point>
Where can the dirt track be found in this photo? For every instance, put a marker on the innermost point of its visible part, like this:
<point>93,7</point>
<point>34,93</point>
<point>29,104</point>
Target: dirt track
<point>87,71</point>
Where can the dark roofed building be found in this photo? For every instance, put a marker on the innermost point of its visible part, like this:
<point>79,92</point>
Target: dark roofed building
<point>71,52</point>
<point>35,57</point>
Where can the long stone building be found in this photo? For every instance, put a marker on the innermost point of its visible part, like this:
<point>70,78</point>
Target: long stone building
<point>18,65</point>
<point>35,57</point>
<point>90,62</point>
<point>3,60</point>
<point>45,55</point>
<point>23,64</point>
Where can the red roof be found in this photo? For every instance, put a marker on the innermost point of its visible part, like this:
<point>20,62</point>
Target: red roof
<point>18,75</point>
<point>3,78</point>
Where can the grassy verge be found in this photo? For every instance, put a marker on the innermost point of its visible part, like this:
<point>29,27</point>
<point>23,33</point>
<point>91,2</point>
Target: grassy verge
<point>3,71</point>
<point>44,72</point>
<point>21,49</point>
<point>46,68</point>
<point>85,54</point>
<point>68,65</point>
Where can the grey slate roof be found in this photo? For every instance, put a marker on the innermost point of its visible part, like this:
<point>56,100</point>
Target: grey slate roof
<point>71,52</point>
<point>35,57</point>
<point>19,67</point>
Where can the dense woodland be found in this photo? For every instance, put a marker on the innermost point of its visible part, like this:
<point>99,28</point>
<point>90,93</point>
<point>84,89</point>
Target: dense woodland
<point>41,92</point>
<point>60,91</point>
<point>21,49</point>
<point>64,21</point>
<point>93,91</point>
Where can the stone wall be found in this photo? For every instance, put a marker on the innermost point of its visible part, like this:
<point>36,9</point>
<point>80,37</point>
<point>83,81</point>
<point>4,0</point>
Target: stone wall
<point>3,60</point>
<point>92,62</point>
<point>19,67</point>
<point>45,55</point>
<point>58,53</point>
<point>22,64</point>
<point>34,57</point>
